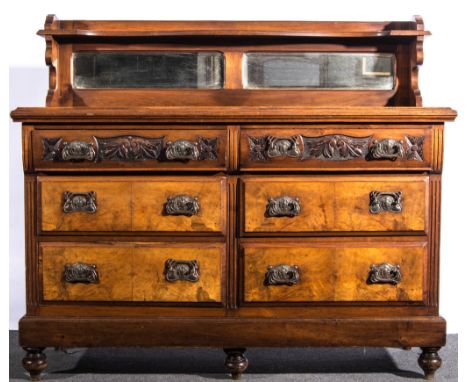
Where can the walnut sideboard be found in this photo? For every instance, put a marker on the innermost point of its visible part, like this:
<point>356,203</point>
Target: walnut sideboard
<point>232,184</point>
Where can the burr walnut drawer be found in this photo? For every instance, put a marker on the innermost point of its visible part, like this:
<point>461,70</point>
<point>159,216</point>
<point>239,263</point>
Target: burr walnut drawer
<point>156,204</point>
<point>336,272</point>
<point>163,272</point>
<point>170,148</point>
<point>335,203</point>
<point>339,147</point>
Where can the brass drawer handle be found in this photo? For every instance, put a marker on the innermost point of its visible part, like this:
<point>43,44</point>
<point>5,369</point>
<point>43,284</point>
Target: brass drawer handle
<point>389,149</point>
<point>79,202</point>
<point>269,147</point>
<point>384,273</point>
<point>282,274</point>
<point>182,205</point>
<point>182,149</point>
<point>201,149</point>
<point>81,273</point>
<point>56,149</point>
<point>181,270</point>
<point>385,201</point>
<point>283,206</point>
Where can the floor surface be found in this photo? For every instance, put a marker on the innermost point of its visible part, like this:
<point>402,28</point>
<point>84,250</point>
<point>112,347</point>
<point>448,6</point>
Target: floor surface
<point>272,365</point>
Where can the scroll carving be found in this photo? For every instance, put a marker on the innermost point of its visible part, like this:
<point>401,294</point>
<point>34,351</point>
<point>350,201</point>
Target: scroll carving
<point>129,148</point>
<point>283,206</point>
<point>51,22</point>
<point>182,205</point>
<point>80,273</point>
<point>385,201</point>
<point>384,273</point>
<point>282,274</point>
<point>79,202</point>
<point>335,147</point>
<point>176,270</point>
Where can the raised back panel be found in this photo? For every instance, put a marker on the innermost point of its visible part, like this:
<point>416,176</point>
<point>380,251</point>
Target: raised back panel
<point>110,63</point>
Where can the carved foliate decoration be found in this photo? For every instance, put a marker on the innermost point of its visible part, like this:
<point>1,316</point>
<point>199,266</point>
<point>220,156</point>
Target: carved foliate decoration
<point>385,201</point>
<point>389,149</point>
<point>208,148</point>
<point>56,149</point>
<point>283,206</point>
<point>182,205</point>
<point>335,147</point>
<point>177,270</point>
<point>51,148</point>
<point>80,273</point>
<point>282,274</point>
<point>129,148</point>
<point>384,273</point>
<point>415,147</point>
<point>257,148</point>
<point>79,202</point>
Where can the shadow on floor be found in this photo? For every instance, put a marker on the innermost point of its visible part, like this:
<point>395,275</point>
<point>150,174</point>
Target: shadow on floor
<point>208,363</point>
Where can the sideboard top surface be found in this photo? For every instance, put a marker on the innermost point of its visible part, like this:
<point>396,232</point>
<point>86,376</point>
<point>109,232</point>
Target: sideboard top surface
<point>234,114</point>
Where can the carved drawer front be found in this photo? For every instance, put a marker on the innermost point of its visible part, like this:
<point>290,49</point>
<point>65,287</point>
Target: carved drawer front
<point>327,271</point>
<point>148,148</point>
<point>336,147</point>
<point>334,203</point>
<point>156,204</point>
<point>125,272</point>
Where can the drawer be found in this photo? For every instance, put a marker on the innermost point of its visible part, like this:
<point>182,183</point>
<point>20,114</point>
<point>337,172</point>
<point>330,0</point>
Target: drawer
<point>336,147</point>
<point>327,271</point>
<point>172,148</point>
<point>133,272</point>
<point>335,203</point>
<point>156,204</point>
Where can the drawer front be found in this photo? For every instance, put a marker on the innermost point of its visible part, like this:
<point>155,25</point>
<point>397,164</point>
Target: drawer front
<point>336,148</point>
<point>129,272</point>
<point>334,203</point>
<point>156,204</point>
<point>346,272</point>
<point>143,149</point>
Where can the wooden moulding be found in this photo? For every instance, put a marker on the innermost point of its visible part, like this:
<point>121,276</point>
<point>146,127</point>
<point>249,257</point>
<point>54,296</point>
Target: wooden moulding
<point>227,332</point>
<point>235,114</point>
<point>96,29</point>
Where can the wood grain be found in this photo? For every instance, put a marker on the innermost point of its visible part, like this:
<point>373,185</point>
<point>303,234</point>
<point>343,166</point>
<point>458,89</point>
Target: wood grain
<point>132,273</point>
<point>114,205</point>
<point>235,114</point>
<point>333,274</point>
<point>334,203</point>
<point>377,132</point>
<point>134,204</point>
<point>87,134</point>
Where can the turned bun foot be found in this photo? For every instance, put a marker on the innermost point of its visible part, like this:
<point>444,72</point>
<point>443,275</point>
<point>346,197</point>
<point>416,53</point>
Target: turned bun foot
<point>429,361</point>
<point>34,362</point>
<point>236,363</point>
